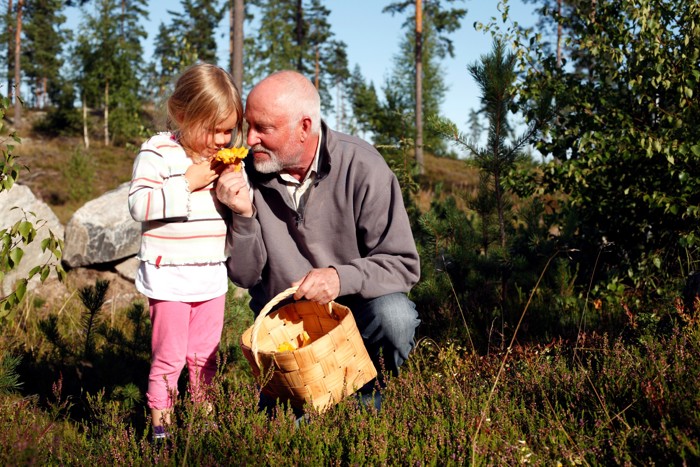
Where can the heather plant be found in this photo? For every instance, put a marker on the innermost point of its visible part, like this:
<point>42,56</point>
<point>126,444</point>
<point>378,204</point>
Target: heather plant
<point>604,402</point>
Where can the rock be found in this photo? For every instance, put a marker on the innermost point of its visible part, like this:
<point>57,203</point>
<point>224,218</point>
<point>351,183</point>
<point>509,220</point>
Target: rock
<point>127,269</point>
<point>21,196</point>
<point>102,231</point>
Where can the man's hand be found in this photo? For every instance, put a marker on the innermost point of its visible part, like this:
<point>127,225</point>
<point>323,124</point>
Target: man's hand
<point>232,190</point>
<point>319,285</point>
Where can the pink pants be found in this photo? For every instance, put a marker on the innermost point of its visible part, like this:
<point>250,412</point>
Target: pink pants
<point>183,333</point>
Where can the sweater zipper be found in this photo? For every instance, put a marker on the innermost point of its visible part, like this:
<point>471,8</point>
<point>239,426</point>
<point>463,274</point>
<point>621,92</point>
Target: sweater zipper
<point>302,209</point>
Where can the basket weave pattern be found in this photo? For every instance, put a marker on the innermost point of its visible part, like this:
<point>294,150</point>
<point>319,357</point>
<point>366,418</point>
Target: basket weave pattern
<point>333,365</point>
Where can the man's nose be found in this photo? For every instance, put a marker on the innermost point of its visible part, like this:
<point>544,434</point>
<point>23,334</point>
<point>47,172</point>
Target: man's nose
<point>252,137</point>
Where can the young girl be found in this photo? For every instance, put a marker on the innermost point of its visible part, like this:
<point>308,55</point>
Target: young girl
<point>183,243</point>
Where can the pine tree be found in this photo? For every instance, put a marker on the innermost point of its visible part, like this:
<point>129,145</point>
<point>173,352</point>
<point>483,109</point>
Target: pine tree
<point>194,27</point>
<point>403,81</point>
<point>443,21</point>
<point>364,102</point>
<point>297,36</point>
<point>43,46</point>
<point>108,55</point>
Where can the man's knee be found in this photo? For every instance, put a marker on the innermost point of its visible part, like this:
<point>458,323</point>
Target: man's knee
<point>391,317</point>
<point>399,317</point>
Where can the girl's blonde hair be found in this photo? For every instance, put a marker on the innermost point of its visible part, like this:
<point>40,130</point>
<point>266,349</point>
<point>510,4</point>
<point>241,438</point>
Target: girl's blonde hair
<point>204,95</point>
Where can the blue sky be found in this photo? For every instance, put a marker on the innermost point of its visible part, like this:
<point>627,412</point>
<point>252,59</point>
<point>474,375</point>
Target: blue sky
<point>373,39</point>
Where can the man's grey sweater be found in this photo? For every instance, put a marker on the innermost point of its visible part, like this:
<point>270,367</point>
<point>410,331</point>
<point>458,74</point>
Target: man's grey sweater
<point>354,220</point>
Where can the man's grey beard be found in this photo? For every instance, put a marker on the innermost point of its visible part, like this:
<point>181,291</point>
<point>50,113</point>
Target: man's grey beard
<point>272,165</point>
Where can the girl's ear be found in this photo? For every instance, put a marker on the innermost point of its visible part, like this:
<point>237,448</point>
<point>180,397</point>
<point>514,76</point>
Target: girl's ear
<point>178,119</point>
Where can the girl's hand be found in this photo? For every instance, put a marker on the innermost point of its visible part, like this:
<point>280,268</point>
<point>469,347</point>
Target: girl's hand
<point>232,190</point>
<point>200,174</point>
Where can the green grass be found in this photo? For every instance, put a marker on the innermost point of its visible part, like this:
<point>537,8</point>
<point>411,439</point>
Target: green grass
<point>65,175</point>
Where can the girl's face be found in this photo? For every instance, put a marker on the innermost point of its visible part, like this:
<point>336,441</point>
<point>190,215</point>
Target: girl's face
<point>206,143</point>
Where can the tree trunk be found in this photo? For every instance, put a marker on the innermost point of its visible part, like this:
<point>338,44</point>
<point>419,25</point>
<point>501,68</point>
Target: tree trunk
<point>237,46</point>
<point>340,110</point>
<point>299,33</point>
<point>40,92</point>
<point>86,136</point>
<point>317,68</point>
<point>419,87</point>
<point>10,48</point>
<point>18,43</point>
<point>559,34</point>
<point>231,32</point>
<point>122,19</point>
<point>106,114</point>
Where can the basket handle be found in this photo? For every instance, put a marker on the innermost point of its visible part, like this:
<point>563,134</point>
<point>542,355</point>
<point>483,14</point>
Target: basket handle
<point>265,311</point>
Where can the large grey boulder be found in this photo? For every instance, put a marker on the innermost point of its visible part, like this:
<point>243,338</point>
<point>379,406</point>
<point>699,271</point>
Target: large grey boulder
<point>21,197</point>
<point>102,231</point>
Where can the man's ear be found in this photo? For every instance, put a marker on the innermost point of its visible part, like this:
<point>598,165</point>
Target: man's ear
<point>305,128</point>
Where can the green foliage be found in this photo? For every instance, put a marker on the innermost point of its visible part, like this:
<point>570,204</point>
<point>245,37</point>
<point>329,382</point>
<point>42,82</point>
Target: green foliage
<point>9,378</point>
<point>171,56</point>
<point>624,134</point>
<point>297,36</point>
<point>62,119</point>
<point>195,27</point>
<point>444,20</point>
<point>23,232</point>
<point>42,47</point>
<point>92,297</point>
<point>80,174</point>
<point>490,255</point>
<point>108,58</point>
<point>403,83</point>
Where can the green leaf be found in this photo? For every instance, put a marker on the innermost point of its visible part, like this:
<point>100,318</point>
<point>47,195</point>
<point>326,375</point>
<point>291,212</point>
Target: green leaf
<point>26,230</point>
<point>20,289</point>
<point>15,257</point>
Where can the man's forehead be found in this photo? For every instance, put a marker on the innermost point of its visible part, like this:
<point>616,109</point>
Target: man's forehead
<point>264,114</point>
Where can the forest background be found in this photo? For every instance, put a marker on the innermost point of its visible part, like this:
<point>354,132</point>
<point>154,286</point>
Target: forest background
<point>557,296</point>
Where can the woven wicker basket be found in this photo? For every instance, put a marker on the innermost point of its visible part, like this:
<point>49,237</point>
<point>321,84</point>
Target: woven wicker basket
<point>331,366</point>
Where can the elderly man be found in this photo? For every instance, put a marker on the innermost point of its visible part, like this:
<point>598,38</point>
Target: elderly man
<point>327,216</point>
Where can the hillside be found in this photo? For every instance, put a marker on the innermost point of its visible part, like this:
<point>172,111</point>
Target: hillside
<point>65,175</point>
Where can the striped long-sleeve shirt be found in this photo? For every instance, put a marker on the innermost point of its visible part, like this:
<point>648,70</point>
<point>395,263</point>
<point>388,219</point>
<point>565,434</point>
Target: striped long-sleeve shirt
<point>178,226</point>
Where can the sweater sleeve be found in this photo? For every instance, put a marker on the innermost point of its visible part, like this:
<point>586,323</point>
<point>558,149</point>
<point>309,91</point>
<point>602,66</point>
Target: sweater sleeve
<point>248,253</point>
<point>157,192</point>
<point>389,261</point>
